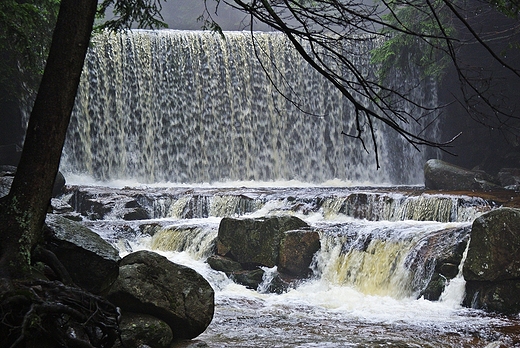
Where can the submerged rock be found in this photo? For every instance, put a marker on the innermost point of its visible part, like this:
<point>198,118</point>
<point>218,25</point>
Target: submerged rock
<point>141,330</point>
<point>440,175</point>
<point>149,283</point>
<point>91,262</point>
<point>223,264</point>
<point>492,267</point>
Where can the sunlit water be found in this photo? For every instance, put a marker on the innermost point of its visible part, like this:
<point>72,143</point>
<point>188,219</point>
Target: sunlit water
<point>353,300</point>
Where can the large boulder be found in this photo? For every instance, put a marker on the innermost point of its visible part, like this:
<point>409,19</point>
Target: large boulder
<point>149,283</point>
<point>440,175</point>
<point>91,262</point>
<point>492,267</point>
<point>255,242</point>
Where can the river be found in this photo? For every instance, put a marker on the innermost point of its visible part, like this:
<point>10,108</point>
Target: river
<point>356,297</point>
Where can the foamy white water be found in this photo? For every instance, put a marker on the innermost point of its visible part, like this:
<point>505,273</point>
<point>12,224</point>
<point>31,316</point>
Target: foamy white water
<point>367,275</point>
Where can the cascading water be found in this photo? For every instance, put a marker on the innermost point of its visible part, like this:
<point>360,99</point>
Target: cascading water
<point>172,106</point>
<point>368,276</point>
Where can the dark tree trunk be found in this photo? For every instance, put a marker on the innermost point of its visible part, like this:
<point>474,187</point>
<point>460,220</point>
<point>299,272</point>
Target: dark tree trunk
<point>22,212</point>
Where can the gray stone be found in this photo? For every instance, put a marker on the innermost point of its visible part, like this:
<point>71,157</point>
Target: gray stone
<point>493,253</point>
<point>492,267</point>
<point>149,283</point>
<point>223,264</point>
<point>254,242</point>
<point>440,175</point>
<point>249,278</point>
<point>501,297</point>
<point>141,330</point>
<point>91,261</point>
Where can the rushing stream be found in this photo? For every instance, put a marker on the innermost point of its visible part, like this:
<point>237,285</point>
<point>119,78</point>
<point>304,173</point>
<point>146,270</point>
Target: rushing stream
<point>191,107</point>
<point>367,276</point>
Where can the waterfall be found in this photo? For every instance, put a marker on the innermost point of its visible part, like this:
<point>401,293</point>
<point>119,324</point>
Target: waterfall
<point>192,107</point>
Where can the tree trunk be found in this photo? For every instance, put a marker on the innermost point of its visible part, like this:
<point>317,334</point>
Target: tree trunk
<point>22,212</point>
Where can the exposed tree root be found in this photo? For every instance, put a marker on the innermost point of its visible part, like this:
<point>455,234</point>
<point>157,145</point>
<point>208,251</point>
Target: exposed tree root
<point>41,313</point>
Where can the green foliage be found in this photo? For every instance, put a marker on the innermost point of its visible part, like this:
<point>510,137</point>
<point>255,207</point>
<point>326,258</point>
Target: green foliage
<point>25,35</point>
<point>510,8</point>
<point>131,13</point>
<point>415,35</point>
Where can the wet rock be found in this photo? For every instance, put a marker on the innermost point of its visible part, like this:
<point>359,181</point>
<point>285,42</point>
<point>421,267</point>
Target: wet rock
<point>59,184</point>
<point>6,179</point>
<point>493,250</point>
<point>223,264</point>
<point>149,283</point>
<point>91,262</point>
<point>492,267</point>
<point>5,185</point>
<point>440,175</point>
<point>136,214</point>
<point>437,260</point>
<point>245,245</point>
<point>509,177</point>
<point>249,278</point>
<point>435,287</point>
<point>141,330</point>
<point>297,249</point>
<point>254,242</point>
<point>60,207</point>
<point>134,211</point>
<point>501,297</point>
<point>150,229</point>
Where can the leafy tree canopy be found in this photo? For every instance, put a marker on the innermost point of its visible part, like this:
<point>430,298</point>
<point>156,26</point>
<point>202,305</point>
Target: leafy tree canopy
<point>26,28</point>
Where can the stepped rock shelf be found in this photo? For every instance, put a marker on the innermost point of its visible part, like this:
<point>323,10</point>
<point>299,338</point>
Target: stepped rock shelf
<point>401,242</point>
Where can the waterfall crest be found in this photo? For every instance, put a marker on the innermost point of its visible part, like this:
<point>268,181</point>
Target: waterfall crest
<point>173,106</point>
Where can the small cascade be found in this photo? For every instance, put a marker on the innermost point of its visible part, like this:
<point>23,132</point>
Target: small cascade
<point>386,259</point>
<point>399,207</point>
<point>267,279</point>
<point>198,241</point>
<point>331,203</point>
<point>454,291</point>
